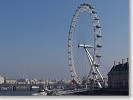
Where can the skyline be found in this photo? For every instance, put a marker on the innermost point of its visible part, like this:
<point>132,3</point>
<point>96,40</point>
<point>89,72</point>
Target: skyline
<point>33,35</point>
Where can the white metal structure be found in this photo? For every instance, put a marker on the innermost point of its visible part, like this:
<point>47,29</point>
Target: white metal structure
<point>94,75</point>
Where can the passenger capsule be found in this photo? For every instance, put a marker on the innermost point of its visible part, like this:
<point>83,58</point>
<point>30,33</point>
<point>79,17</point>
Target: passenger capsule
<point>72,76</point>
<point>99,36</point>
<point>71,70</point>
<point>98,55</point>
<point>94,73</point>
<point>91,7</point>
<point>99,45</point>
<point>98,26</point>
<point>94,12</point>
<point>96,18</point>
<point>96,65</point>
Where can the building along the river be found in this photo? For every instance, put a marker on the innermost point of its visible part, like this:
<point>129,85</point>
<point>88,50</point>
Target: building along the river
<point>118,77</point>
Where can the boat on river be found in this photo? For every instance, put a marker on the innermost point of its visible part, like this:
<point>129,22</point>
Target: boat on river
<point>40,93</point>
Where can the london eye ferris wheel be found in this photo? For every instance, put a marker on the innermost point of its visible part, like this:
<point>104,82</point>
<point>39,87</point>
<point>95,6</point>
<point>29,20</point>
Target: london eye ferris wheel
<point>84,45</point>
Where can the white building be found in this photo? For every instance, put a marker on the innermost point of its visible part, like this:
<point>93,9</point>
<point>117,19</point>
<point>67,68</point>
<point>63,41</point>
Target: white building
<point>1,79</point>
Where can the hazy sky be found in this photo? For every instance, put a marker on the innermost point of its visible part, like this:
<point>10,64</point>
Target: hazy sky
<point>34,35</point>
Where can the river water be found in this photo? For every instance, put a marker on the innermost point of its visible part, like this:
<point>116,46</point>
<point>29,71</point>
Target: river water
<point>16,93</point>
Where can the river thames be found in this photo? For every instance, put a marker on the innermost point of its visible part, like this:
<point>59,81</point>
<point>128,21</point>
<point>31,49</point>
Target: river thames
<point>16,93</point>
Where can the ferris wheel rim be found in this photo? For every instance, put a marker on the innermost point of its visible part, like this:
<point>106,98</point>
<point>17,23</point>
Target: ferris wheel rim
<point>96,26</point>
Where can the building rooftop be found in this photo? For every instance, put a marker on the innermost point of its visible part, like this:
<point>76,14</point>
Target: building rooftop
<point>120,67</point>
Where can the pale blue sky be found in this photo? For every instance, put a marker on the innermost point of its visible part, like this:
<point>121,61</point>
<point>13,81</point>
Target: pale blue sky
<point>34,33</point>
